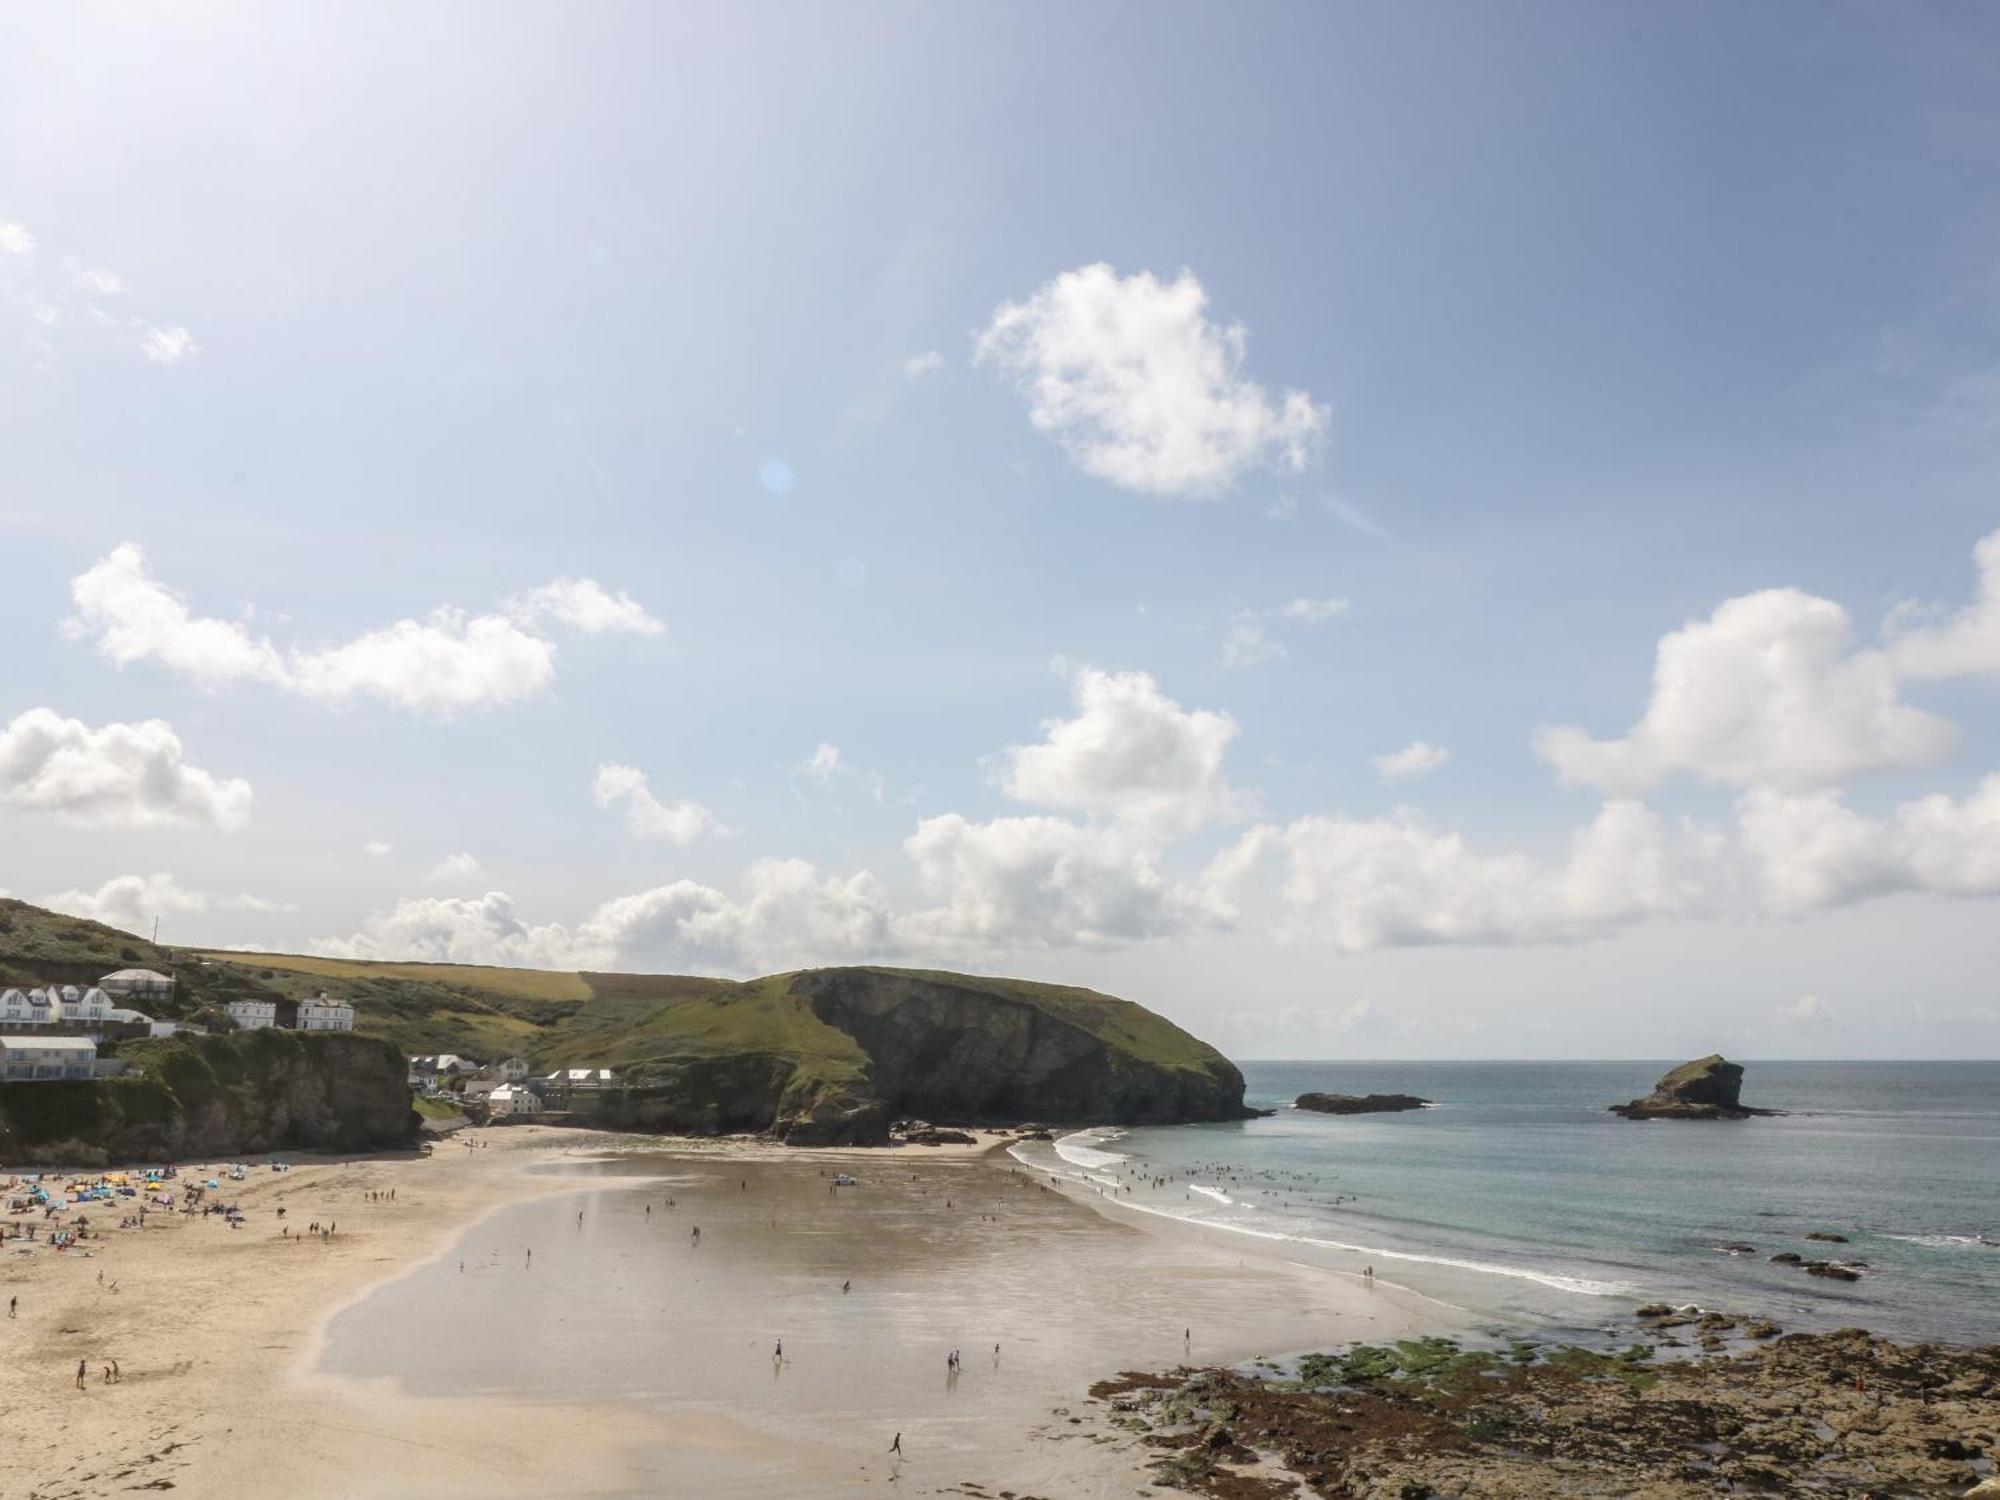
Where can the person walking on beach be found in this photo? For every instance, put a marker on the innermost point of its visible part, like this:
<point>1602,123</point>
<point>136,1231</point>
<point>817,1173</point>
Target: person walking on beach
<point>779,1352</point>
<point>79,1374</point>
<point>116,1374</point>
<point>530,1260</point>
<point>897,1446</point>
<point>13,1307</point>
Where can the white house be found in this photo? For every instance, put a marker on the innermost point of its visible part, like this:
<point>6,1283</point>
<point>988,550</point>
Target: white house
<point>513,1099</point>
<point>138,984</point>
<point>583,1078</point>
<point>512,1069</point>
<point>25,1059</point>
<point>15,1009</point>
<point>252,1015</point>
<point>85,1007</point>
<point>324,1014</point>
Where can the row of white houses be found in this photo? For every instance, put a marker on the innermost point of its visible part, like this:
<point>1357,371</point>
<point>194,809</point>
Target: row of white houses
<point>66,1005</point>
<point>321,1014</point>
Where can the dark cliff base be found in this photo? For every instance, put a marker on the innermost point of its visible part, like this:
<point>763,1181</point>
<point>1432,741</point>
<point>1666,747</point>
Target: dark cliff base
<point>1358,1104</point>
<point>204,1097</point>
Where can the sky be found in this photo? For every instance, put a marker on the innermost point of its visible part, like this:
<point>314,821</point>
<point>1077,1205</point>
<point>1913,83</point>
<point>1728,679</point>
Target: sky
<point>1416,531</point>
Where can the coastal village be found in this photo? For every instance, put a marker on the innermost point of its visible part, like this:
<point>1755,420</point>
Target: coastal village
<point>53,1032</point>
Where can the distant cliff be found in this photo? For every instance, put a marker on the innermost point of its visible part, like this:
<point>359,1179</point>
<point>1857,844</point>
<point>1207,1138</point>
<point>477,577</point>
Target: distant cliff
<point>204,1097</point>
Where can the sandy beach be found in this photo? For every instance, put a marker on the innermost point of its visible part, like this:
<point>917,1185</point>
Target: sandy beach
<point>255,1360</point>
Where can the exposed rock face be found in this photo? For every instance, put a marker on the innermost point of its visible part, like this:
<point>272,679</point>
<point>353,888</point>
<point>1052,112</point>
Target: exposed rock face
<point>962,1053</point>
<point>207,1096</point>
<point>1358,1104</point>
<point>1705,1089</point>
<point>1836,1415</point>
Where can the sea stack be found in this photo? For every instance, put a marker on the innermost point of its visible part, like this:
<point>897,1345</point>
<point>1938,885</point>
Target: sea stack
<point>1705,1089</point>
<point>1358,1104</point>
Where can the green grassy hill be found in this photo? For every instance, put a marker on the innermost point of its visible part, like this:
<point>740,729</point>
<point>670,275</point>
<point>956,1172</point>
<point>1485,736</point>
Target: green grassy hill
<point>832,1053</point>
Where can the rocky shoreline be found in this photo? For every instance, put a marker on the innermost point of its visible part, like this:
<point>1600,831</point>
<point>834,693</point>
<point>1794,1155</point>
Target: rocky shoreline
<point>1827,1414</point>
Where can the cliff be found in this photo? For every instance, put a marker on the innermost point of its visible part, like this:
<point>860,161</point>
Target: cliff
<point>204,1097</point>
<point>1706,1089</point>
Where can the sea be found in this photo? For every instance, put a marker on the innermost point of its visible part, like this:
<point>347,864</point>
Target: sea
<point>1516,1198</point>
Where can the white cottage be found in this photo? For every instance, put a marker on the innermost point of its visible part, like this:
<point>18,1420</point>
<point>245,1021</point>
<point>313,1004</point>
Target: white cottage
<point>513,1099</point>
<point>138,984</point>
<point>252,1015</point>
<point>45,1059</point>
<point>324,1014</point>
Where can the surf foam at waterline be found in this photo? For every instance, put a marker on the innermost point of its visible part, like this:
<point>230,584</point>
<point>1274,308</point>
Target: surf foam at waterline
<point>1208,1192</point>
<point>1556,1281</point>
<point>1084,1149</point>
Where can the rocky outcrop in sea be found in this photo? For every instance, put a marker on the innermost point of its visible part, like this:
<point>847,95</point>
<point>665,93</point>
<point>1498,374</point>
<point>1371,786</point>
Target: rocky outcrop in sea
<point>1705,1089</point>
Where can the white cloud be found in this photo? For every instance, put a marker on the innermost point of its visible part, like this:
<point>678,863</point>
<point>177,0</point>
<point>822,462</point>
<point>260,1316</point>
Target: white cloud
<point>1136,384</point>
<point>1968,645</point>
<point>1418,758</point>
<point>97,281</point>
<point>378,848</point>
<point>455,867</point>
<point>118,776</point>
<point>1807,1010</point>
<point>585,604</point>
<point>1812,850</point>
<point>1129,753</point>
<point>168,346</point>
<point>469,930</point>
<point>1035,882</point>
<point>649,818</point>
<point>1246,643</point>
<point>1314,611</point>
<point>917,366</point>
<point>132,902</point>
<point>823,762</point>
<point>1395,882</point>
<point>448,661</point>
<point>1767,691</point>
<point>15,240</point>
<point>787,914</point>
<point>132,617</point>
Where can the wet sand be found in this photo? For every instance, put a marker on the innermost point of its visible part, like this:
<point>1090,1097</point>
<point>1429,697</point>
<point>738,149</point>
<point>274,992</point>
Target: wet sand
<point>624,1360</point>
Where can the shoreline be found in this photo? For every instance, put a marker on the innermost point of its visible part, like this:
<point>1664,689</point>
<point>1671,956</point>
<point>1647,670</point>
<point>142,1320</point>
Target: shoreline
<point>226,1337</point>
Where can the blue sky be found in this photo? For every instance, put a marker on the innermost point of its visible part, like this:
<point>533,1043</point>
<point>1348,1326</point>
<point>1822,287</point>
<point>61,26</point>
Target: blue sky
<point>1110,428</point>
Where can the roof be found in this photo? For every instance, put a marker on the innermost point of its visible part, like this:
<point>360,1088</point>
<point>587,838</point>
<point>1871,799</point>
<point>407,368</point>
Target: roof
<point>60,1043</point>
<point>138,974</point>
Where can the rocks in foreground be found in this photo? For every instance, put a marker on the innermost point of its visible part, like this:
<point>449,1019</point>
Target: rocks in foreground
<point>1705,1089</point>
<point>1840,1414</point>
<point>1358,1104</point>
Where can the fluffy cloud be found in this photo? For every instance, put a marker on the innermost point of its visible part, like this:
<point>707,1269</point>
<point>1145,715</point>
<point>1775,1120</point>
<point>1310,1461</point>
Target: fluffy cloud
<point>116,776</point>
<point>1128,374</point>
<point>469,930</point>
<point>1247,643</point>
<point>1418,758</point>
<point>1034,882</point>
<point>917,366</point>
<point>132,902</point>
<point>378,848</point>
<point>585,604</point>
<point>1967,645</point>
<point>1130,753</point>
<point>445,662</point>
<point>1314,611</point>
<point>1812,850</point>
<point>1395,882</point>
<point>822,763</point>
<point>456,867</point>
<point>168,346</point>
<point>786,914</point>
<point>1768,690</point>
<point>680,823</point>
<point>1807,1011</point>
<point>15,240</point>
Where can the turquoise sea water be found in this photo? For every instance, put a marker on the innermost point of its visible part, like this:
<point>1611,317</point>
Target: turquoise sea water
<point>1519,1199</point>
